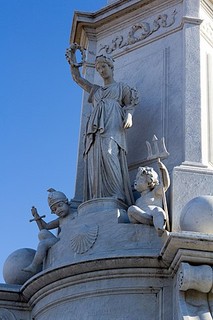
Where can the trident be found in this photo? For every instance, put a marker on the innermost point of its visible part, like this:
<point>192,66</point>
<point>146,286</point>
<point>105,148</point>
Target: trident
<point>159,148</point>
<point>156,153</point>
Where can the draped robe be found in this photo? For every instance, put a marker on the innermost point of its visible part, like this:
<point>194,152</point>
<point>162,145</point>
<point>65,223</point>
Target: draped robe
<point>106,171</point>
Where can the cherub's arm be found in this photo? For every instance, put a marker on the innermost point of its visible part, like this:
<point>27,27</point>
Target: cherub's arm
<point>165,175</point>
<point>52,224</point>
<point>41,223</point>
<point>74,68</point>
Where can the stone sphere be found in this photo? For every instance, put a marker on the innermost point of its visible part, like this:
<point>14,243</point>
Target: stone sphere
<point>197,215</point>
<point>13,267</point>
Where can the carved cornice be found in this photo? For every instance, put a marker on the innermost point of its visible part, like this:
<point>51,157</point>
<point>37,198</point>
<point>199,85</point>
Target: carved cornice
<point>207,6</point>
<point>187,246</point>
<point>191,20</point>
<point>108,13</point>
<point>139,32</point>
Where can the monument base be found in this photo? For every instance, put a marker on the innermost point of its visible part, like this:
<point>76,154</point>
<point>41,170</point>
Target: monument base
<point>131,286</point>
<point>100,233</point>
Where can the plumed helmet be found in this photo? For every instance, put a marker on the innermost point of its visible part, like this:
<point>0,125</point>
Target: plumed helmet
<point>55,197</point>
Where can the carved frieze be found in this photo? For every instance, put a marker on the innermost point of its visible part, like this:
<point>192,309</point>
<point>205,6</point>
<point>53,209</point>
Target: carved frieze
<point>139,32</point>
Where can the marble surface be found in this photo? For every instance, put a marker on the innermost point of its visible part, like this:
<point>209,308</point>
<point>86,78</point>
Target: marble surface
<point>104,267</point>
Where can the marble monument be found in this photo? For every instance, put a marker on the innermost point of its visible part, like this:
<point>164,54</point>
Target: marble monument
<point>131,244</point>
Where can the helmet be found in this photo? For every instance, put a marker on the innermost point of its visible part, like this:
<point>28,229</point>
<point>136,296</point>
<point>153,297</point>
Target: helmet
<point>55,197</point>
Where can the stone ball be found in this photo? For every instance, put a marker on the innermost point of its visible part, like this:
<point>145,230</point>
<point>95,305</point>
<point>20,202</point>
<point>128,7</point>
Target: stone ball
<point>13,267</point>
<point>197,215</point>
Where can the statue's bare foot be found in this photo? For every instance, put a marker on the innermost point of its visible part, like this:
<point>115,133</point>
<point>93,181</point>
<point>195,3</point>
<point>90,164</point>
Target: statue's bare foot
<point>159,221</point>
<point>160,232</point>
<point>30,269</point>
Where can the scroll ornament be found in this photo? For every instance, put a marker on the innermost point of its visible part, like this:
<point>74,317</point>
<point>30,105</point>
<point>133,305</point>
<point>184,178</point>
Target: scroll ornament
<point>195,293</point>
<point>199,278</point>
<point>139,32</point>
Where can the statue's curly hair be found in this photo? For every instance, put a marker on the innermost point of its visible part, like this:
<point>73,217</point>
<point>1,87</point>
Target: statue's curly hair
<point>151,176</point>
<point>105,59</point>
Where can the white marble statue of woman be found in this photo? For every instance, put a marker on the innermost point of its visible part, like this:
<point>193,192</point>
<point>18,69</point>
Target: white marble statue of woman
<point>106,171</point>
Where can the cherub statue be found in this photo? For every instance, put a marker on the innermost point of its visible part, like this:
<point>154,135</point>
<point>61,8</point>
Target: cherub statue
<point>60,206</point>
<point>149,207</point>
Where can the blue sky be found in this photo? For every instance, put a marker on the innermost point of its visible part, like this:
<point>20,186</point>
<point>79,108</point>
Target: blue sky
<point>40,113</point>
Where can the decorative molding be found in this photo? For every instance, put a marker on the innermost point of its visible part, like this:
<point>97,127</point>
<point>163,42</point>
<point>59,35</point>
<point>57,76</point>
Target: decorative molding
<point>6,315</point>
<point>199,278</point>
<point>85,239</point>
<point>139,32</point>
<point>210,104</point>
<point>207,31</point>
<point>85,292</point>
<point>191,20</point>
<point>206,5</point>
<point>194,285</point>
<point>165,99</point>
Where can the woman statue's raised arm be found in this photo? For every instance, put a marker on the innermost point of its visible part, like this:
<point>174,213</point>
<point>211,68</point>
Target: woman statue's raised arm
<point>74,66</point>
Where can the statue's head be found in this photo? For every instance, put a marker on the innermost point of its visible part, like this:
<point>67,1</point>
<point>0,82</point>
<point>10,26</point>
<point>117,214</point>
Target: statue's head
<point>104,59</point>
<point>58,202</point>
<point>146,178</point>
